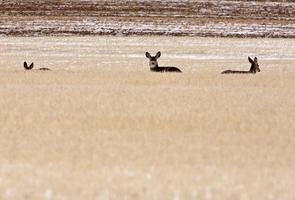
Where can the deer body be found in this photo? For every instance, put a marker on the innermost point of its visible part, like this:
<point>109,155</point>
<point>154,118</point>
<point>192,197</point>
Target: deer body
<point>31,66</point>
<point>165,69</point>
<point>236,72</point>
<point>254,68</point>
<point>154,66</point>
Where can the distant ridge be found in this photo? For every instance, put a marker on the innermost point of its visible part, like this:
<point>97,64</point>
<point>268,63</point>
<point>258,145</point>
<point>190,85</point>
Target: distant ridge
<point>155,17</point>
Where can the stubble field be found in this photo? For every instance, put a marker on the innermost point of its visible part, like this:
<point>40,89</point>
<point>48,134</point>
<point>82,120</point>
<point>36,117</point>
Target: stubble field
<point>100,125</point>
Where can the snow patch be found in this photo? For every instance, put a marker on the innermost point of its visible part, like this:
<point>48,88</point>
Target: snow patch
<point>48,194</point>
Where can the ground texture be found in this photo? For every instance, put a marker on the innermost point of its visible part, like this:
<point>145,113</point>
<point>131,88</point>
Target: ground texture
<point>100,125</point>
<point>141,17</point>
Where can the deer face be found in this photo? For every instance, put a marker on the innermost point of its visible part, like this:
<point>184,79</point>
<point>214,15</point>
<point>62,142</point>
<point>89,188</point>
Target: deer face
<point>153,59</point>
<point>254,65</point>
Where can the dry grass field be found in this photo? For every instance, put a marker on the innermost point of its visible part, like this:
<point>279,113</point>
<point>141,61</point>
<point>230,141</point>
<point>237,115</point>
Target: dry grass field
<point>100,125</point>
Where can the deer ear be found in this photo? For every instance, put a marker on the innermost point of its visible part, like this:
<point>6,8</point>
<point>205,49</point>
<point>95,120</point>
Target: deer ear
<point>147,54</point>
<point>32,65</point>
<point>255,59</point>
<point>158,55</point>
<point>26,66</point>
<point>250,60</point>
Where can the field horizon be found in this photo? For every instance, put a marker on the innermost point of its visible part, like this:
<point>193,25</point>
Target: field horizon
<point>265,19</point>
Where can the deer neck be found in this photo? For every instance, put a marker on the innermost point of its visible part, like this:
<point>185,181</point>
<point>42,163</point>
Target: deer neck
<point>155,67</point>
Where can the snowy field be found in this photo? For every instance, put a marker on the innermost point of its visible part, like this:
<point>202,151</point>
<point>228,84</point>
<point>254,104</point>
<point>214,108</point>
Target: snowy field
<point>100,125</point>
<point>106,53</point>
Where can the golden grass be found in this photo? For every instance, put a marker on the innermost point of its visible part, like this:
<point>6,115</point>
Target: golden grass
<point>131,134</point>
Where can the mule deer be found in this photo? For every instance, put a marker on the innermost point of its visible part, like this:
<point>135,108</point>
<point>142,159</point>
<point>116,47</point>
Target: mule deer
<point>154,66</point>
<point>254,68</point>
<point>31,66</point>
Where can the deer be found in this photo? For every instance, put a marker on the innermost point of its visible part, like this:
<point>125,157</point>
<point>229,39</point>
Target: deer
<point>31,66</point>
<point>154,66</point>
<point>253,69</point>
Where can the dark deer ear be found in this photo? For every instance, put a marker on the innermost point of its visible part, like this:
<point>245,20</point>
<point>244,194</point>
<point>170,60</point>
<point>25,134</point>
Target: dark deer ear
<point>147,54</point>
<point>255,59</point>
<point>31,65</point>
<point>26,66</point>
<point>250,60</point>
<point>158,55</point>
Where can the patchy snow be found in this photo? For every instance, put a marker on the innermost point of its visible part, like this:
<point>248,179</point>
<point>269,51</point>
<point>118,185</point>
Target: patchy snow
<point>10,192</point>
<point>48,194</point>
<point>187,18</point>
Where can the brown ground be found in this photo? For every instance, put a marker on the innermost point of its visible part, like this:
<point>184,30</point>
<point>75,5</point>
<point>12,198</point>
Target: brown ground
<point>108,132</point>
<point>146,17</point>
